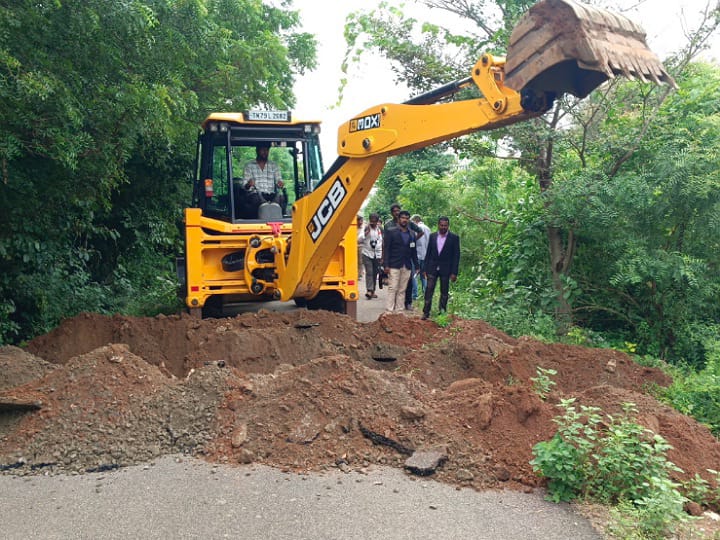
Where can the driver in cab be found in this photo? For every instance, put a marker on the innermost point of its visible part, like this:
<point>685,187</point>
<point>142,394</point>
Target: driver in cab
<point>264,175</point>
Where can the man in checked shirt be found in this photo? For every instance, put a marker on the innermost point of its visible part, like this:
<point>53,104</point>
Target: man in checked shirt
<point>264,175</point>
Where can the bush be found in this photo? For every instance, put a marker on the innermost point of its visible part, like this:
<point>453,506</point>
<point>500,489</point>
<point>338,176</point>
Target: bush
<point>8,328</point>
<point>697,393</point>
<point>612,460</point>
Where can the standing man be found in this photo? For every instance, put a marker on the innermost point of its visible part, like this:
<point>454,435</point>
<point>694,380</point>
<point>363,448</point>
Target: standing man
<point>399,255</point>
<point>360,240</point>
<point>395,212</point>
<point>372,241</point>
<point>265,176</point>
<point>441,262</point>
<point>422,244</point>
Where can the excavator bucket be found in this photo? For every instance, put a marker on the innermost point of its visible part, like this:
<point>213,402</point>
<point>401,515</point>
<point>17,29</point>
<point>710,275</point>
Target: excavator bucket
<point>561,46</point>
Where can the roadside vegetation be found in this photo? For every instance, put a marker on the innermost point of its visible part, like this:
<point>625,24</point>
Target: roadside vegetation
<point>615,461</point>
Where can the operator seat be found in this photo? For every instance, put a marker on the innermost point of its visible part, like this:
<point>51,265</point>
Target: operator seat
<point>270,211</point>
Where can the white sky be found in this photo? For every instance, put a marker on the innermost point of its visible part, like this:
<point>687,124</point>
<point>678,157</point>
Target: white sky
<point>372,83</point>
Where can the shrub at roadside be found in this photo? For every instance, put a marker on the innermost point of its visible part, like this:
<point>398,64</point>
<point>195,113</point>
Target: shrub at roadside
<point>612,460</point>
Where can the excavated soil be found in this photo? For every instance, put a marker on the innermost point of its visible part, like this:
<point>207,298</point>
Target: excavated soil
<point>308,390</point>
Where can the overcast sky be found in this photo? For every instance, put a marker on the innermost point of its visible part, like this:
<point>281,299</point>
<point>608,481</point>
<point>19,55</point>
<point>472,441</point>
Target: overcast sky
<point>372,82</point>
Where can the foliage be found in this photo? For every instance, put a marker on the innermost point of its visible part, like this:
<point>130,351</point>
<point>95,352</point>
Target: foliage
<point>697,392</point>
<point>612,460</point>
<point>654,517</point>
<point>8,328</point>
<point>701,491</point>
<point>646,260</point>
<point>433,55</point>
<point>396,183</point>
<point>543,383</point>
<point>504,276</point>
<point>616,461</point>
<point>101,103</point>
<point>442,319</point>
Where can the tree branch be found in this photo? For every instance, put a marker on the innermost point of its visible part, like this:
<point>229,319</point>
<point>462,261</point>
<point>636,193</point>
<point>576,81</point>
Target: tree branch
<point>697,42</point>
<point>480,219</point>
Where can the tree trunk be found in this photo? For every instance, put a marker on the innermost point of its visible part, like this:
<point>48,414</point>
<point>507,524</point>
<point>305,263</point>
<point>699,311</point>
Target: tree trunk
<point>560,260</point>
<point>561,246</point>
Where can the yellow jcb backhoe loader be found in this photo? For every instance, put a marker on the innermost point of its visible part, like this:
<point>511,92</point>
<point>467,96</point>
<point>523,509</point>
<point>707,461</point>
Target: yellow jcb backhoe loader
<point>235,252</point>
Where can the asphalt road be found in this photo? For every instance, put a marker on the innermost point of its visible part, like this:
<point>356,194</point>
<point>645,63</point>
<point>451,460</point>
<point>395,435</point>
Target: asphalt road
<point>186,498</point>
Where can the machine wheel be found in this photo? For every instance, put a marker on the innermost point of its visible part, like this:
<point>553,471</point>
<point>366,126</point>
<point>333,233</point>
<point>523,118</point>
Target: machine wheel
<point>329,301</point>
<point>213,308</point>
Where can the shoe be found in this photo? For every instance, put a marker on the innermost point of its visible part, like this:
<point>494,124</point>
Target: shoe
<point>368,295</point>
<point>424,317</point>
<point>408,307</point>
<point>374,295</point>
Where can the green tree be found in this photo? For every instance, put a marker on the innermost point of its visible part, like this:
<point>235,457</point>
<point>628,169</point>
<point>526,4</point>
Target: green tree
<point>648,236</point>
<point>100,103</point>
<point>403,170</point>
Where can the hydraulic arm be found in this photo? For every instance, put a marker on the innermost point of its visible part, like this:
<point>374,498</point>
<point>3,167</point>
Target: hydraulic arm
<point>364,145</point>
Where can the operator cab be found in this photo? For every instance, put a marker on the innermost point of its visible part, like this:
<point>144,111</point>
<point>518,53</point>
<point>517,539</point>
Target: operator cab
<point>228,141</point>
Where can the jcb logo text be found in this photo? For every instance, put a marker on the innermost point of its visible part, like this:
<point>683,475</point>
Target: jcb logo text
<point>327,208</point>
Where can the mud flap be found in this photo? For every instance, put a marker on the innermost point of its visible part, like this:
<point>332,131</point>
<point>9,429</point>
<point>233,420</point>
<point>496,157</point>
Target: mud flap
<point>560,46</point>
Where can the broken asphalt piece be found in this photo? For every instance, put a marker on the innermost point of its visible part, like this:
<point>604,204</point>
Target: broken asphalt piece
<point>305,323</point>
<point>376,438</point>
<point>384,352</point>
<point>12,403</point>
<point>342,465</point>
<point>425,463</point>
<point>218,363</point>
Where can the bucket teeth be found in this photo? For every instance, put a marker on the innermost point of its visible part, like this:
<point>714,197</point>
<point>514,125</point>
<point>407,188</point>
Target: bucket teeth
<point>560,46</point>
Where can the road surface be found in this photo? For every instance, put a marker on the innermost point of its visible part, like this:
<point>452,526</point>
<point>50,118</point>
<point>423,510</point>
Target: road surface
<point>179,497</point>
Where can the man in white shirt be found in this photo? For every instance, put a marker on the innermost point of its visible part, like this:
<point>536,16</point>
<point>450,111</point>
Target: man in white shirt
<point>421,244</point>
<point>264,175</point>
<point>371,240</point>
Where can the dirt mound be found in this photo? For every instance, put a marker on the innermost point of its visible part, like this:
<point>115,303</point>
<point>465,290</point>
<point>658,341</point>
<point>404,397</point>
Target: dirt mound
<point>305,390</point>
<point>18,367</point>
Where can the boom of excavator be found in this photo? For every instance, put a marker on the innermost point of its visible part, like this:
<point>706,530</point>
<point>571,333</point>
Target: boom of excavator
<point>310,253</point>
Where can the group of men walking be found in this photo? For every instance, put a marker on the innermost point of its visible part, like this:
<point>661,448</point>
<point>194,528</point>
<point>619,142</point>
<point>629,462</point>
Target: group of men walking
<point>403,249</point>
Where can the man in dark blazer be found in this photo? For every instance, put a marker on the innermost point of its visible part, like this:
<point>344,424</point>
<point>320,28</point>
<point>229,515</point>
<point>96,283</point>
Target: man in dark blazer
<point>399,259</point>
<point>442,263</point>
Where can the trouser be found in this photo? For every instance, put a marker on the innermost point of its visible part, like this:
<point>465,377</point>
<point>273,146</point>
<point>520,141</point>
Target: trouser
<point>411,290</point>
<point>397,284</point>
<point>372,267</point>
<point>421,276</point>
<point>430,291</point>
